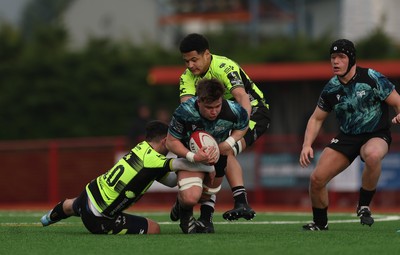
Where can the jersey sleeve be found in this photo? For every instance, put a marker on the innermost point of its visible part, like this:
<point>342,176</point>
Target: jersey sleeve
<point>229,73</point>
<point>324,102</point>
<point>242,116</point>
<point>177,124</point>
<point>187,84</point>
<point>385,87</point>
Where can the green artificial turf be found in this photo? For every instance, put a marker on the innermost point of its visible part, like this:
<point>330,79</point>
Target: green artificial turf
<point>269,233</point>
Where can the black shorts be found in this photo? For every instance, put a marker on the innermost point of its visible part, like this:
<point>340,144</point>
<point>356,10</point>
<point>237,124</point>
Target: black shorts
<point>220,166</point>
<point>122,223</point>
<point>259,123</point>
<point>350,145</point>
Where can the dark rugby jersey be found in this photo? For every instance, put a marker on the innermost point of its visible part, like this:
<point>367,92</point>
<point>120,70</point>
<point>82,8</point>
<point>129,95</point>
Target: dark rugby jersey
<point>359,105</point>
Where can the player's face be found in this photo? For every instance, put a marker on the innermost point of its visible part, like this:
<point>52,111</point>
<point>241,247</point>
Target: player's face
<point>339,62</point>
<point>197,63</point>
<point>210,111</point>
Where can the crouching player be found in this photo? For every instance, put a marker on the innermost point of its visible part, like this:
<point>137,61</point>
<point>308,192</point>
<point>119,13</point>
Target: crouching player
<point>101,205</point>
<point>227,122</point>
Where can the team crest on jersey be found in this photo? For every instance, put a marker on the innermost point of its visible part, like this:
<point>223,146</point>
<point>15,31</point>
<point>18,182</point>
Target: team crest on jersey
<point>360,93</point>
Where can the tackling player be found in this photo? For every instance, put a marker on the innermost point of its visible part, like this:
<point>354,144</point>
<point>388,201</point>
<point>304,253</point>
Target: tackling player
<point>239,87</point>
<point>101,205</point>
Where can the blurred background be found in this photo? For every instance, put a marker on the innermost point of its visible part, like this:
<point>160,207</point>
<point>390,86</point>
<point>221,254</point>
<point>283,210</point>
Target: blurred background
<point>79,78</point>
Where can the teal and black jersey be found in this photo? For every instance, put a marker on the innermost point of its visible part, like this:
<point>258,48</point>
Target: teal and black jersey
<point>128,180</point>
<point>359,105</point>
<point>187,119</point>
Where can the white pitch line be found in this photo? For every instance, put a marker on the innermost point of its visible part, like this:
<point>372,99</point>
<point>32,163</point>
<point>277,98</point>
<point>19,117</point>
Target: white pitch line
<point>383,218</point>
<point>377,219</point>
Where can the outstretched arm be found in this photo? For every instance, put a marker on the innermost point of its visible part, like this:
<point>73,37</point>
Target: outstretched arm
<point>313,127</point>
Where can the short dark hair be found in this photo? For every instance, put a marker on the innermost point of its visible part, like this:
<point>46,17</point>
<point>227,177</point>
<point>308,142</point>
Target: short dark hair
<point>156,130</point>
<point>209,90</point>
<point>193,42</point>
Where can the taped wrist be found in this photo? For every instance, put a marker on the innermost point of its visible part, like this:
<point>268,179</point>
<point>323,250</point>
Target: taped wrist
<point>190,156</point>
<point>237,148</point>
<point>231,141</point>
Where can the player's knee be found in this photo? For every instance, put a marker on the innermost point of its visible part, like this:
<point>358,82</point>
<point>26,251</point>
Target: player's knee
<point>190,190</point>
<point>316,182</point>
<point>190,199</point>
<point>373,158</point>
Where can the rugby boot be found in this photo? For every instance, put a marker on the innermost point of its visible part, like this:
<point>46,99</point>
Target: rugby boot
<point>240,211</point>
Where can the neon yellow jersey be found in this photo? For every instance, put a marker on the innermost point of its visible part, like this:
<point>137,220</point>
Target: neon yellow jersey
<point>229,73</point>
<point>128,180</point>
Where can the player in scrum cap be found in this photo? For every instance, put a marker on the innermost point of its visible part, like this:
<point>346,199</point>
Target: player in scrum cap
<point>360,98</point>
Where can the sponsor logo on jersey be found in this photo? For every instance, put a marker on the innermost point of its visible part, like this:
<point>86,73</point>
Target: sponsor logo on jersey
<point>234,79</point>
<point>360,93</point>
<point>228,69</point>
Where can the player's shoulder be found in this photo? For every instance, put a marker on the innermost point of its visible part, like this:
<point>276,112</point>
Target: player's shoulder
<point>186,78</point>
<point>152,158</point>
<point>332,86</point>
<point>235,107</point>
<point>232,104</point>
<point>188,104</point>
<point>372,73</point>
<point>222,62</point>
<point>139,150</point>
<point>187,73</point>
<point>186,108</point>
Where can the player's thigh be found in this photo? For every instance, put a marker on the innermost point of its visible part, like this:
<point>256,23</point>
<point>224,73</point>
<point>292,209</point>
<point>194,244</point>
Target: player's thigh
<point>330,164</point>
<point>258,125</point>
<point>189,174</point>
<point>374,149</point>
<point>213,183</point>
<point>260,120</point>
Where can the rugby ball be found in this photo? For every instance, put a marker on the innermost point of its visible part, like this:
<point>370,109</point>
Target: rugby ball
<point>199,139</point>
